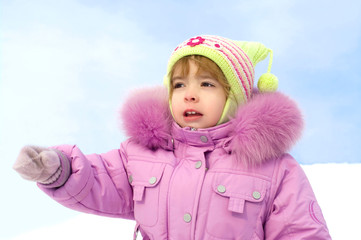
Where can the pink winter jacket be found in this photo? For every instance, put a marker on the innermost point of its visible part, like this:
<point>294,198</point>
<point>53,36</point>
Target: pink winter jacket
<point>232,181</point>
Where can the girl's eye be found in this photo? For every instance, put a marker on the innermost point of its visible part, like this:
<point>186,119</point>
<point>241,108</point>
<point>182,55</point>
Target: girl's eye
<point>207,84</point>
<point>178,85</point>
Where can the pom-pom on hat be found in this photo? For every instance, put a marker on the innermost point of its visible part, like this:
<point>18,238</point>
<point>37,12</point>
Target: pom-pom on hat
<point>236,59</point>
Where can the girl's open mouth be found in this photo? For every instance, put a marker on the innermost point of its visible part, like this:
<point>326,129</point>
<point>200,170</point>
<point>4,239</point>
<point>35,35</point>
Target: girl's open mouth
<point>191,115</point>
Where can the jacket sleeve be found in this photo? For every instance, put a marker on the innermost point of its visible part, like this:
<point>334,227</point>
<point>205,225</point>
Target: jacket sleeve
<point>97,183</point>
<point>294,211</point>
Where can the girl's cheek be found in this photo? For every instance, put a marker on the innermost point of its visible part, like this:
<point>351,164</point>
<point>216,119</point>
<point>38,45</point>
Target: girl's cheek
<point>173,105</point>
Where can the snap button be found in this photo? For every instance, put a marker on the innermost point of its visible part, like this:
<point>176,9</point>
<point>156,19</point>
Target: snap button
<point>187,217</point>
<point>204,139</point>
<point>198,164</point>
<point>221,189</point>
<point>256,195</point>
<point>152,180</point>
<point>130,178</point>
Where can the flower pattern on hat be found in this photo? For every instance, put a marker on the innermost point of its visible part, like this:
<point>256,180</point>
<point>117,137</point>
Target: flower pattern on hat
<point>195,41</point>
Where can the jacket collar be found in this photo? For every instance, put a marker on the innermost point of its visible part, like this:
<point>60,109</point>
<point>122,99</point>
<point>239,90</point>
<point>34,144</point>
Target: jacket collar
<point>264,128</point>
<point>209,137</point>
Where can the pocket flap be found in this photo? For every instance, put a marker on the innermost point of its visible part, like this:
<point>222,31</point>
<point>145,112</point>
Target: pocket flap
<point>236,204</point>
<point>239,189</point>
<point>143,174</point>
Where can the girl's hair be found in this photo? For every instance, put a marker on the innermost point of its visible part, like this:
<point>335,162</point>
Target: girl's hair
<point>203,64</point>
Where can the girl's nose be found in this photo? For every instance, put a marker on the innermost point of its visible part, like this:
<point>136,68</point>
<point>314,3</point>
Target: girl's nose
<point>191,95</point>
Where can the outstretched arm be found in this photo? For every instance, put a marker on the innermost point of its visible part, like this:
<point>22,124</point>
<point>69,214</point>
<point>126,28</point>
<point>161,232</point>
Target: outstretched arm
<point>95,183</point>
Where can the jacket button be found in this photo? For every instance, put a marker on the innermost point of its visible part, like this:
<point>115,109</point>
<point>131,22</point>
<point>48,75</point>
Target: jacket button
<point>221,189</point>
<point>256,195</point>
<point>152,180</point>
<point>204,139</point>
<point>130,178</point>
<point>187,217</point>
<point>198,164</point>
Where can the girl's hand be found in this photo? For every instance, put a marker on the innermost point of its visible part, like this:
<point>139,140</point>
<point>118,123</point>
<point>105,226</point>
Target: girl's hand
<point>38,164</point>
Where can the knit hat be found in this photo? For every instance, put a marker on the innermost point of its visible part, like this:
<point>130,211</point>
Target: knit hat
<point>236,59</point>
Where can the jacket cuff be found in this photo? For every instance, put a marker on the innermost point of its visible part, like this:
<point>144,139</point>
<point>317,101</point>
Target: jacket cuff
<point>61,175</point>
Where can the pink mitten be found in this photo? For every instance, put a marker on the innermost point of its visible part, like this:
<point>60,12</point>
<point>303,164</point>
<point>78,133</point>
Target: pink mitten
<point>38,164</point>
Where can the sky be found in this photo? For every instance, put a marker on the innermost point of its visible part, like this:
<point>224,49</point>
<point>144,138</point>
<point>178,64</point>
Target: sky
<point>66,66</point>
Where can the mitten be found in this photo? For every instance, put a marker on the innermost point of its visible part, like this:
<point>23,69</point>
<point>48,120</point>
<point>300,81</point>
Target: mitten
<point>38,164</point>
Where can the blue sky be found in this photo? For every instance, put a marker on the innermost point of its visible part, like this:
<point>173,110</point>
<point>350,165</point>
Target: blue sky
<point>67,65</point>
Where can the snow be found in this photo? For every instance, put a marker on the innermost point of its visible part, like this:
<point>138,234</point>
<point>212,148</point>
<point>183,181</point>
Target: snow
<point>336,187</point>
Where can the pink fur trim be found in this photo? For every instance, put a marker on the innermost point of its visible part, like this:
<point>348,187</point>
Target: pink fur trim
<point>146,117</point>
<point>266,127</point>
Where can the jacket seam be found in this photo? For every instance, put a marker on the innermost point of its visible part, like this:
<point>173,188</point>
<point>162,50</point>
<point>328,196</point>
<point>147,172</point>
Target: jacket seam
<point>277,168</point>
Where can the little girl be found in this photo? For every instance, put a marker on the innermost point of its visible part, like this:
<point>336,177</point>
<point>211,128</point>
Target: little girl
<point>205,159</point>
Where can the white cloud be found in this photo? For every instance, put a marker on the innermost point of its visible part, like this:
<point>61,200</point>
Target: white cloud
<point>57,76</point>
<point>38,82</point>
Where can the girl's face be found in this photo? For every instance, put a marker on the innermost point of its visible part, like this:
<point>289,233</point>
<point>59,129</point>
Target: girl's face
<point>197,98</point>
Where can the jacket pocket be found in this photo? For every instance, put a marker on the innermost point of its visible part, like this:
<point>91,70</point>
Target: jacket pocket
<point>145,179</point>
<point>235,205</point>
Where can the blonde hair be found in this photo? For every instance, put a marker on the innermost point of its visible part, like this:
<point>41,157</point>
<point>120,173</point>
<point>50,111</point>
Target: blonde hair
<point>203,64</point>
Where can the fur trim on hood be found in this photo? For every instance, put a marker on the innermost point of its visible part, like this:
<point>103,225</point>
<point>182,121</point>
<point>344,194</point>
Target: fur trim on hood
<point>264,128</point>
<point>146,117</point>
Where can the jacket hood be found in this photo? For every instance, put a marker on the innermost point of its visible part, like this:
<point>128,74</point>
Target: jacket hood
<point>267,126</point>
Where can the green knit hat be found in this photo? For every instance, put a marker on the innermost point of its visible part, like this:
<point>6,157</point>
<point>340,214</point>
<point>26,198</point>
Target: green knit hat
<point>236,59</point>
